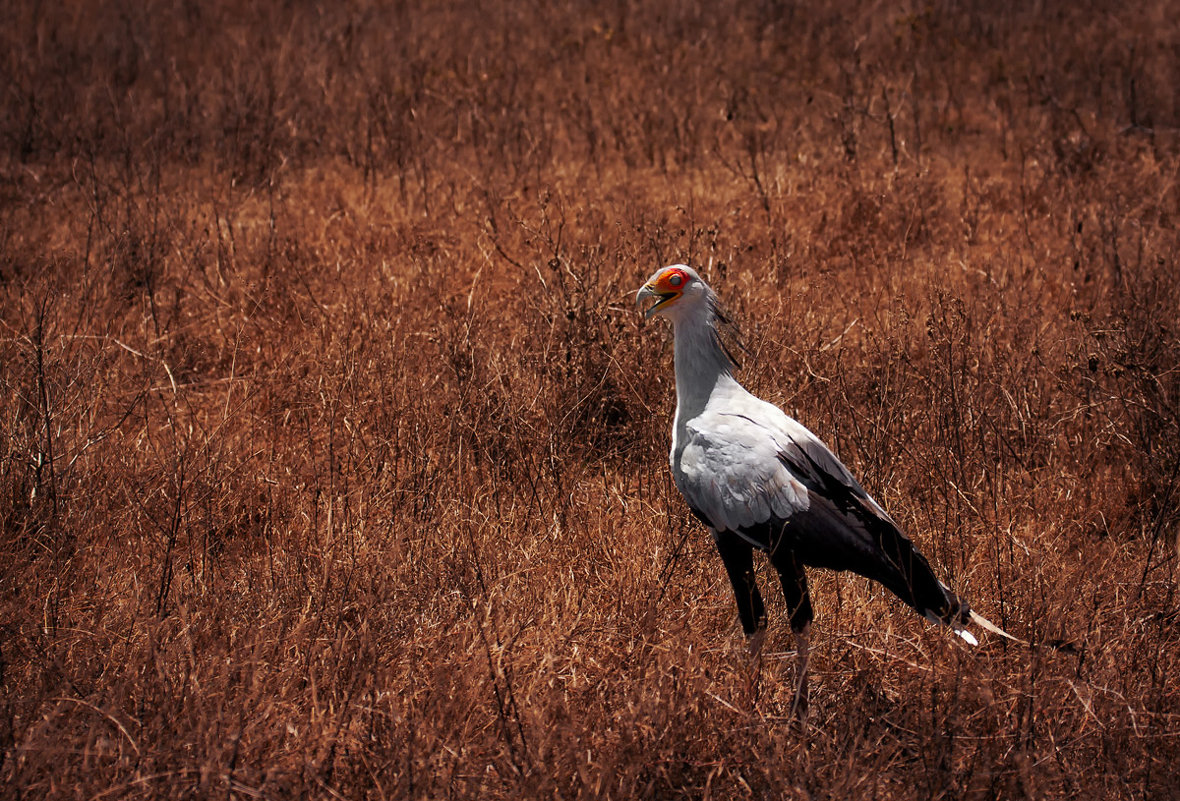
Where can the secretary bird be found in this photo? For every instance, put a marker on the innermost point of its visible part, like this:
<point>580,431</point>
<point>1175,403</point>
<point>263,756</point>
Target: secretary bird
<point>760,480</point>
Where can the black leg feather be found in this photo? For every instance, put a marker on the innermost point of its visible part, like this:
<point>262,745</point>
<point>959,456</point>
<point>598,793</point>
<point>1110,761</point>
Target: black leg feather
<point>738,556</point>
<point>794,581</point>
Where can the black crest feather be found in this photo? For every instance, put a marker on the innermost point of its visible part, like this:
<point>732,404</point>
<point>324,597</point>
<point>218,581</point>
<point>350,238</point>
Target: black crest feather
<point>726,333</point>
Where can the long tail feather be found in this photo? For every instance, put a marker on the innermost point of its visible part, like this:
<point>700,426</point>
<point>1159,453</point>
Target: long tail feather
<point>984,623</point>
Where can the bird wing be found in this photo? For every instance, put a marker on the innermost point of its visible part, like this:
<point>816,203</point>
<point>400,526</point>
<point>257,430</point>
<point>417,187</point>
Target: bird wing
<point>751,469</point>
<point>825,476</point>
<point>746,461</point>
<point>730,472</point>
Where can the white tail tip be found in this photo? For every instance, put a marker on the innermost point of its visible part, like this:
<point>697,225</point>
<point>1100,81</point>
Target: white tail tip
<point>967,636</point>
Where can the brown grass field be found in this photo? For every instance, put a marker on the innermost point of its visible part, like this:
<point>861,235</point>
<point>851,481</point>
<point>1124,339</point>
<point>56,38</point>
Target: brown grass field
<point>333,457</point>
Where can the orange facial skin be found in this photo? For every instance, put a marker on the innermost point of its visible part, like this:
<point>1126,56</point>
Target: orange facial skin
<point>667,286</point>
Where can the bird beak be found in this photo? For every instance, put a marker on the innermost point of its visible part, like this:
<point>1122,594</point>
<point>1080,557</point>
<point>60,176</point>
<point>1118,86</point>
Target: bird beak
<point>648,291</point>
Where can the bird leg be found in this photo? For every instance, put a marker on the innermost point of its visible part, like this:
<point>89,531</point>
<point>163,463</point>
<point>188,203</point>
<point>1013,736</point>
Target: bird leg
<point>754,641</point>
<point>803,654</point>
<point>738,556</point>
<point>794,581</point>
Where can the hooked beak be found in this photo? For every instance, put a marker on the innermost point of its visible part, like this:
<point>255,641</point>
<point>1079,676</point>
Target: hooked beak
<point>648,291</point>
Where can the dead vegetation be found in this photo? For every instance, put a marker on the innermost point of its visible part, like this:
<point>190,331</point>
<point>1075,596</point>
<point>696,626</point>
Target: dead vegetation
<point>333,455</point>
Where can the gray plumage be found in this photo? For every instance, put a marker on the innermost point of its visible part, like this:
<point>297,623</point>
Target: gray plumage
<point>760,480</point>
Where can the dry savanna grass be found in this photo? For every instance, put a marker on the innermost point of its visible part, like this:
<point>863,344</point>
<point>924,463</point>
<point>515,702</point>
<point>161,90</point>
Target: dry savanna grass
<point>333,456</point>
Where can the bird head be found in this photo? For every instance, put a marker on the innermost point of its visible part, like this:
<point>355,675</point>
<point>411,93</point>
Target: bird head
<point>677,288</point>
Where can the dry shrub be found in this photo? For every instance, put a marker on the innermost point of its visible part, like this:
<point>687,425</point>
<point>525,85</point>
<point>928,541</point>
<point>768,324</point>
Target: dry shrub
<point>333,456</point>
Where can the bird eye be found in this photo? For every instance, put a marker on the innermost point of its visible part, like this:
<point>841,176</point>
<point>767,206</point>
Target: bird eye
<point>676,280</point>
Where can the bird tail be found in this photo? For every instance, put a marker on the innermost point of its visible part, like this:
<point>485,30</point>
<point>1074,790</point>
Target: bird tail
<point>958,628</point>
<point>961,614</point>
<point>952,611</point>
<point>957,623</point>
<point>956,620</point>
<point>987,625</point>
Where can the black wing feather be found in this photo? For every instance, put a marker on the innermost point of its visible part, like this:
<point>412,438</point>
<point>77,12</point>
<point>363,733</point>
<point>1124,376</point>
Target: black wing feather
<point>844,529</point>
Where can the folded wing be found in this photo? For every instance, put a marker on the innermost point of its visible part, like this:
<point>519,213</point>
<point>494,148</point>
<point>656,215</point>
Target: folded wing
<point>759,473</point>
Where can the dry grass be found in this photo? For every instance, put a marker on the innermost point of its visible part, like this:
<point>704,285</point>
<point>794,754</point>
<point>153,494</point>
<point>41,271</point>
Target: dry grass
<point>333,456</point>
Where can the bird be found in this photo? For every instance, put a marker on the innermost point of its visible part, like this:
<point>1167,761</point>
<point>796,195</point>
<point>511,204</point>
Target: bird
<point>762,481</point>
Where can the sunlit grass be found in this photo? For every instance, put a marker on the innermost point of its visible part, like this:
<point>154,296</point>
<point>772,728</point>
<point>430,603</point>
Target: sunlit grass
<point>334,450</point>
